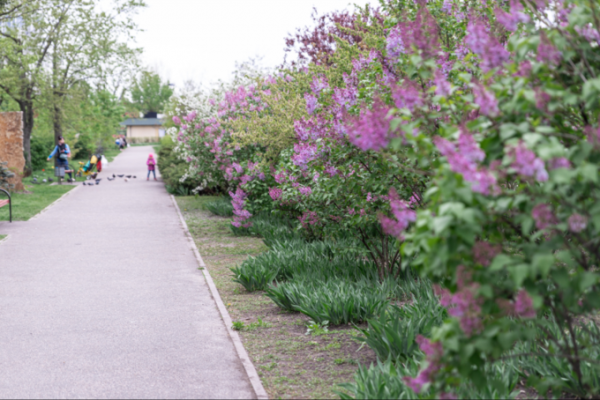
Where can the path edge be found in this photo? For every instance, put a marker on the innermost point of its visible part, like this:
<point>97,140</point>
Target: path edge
<point>255,381</point>
<point>5,239</point>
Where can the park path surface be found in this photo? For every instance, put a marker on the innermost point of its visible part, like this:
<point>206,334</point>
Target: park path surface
<point>101,297</point>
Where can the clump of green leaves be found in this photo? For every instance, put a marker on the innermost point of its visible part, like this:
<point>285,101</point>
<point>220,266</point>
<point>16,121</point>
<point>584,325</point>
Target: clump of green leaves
<point>5,175</point>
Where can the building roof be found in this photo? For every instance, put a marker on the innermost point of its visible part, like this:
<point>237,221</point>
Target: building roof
<point>142,122</point>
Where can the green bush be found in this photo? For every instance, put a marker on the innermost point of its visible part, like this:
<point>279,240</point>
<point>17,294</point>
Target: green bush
<point>84,147</point>
<point>392,335</point>
<point>333,302</point>
<point>41,147</point>
<point>172,169</point>
<point>5,175</point>
<point>221,206</point>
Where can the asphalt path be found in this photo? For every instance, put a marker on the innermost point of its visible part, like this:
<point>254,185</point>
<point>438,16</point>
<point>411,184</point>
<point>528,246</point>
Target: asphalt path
<point>101,297</point>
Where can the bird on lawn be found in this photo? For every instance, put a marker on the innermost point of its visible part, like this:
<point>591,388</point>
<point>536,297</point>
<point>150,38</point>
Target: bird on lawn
<point>50,180</point>
<point>34,180</point>
<point>44,180</point>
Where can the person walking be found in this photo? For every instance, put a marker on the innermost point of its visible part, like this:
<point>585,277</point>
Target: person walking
<point>151,163</point>
<point>62,151</point>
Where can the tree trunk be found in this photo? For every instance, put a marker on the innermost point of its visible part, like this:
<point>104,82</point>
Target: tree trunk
<point>26,106</point>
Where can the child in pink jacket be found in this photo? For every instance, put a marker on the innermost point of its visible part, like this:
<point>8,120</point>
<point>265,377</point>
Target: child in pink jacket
<point>151,163</point>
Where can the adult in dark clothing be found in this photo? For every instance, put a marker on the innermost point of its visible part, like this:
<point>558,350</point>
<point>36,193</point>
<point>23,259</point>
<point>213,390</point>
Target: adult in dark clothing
<point>62,152</point>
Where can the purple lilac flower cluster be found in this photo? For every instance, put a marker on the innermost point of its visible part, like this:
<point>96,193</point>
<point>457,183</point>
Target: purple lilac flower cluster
<point>485,45</point>
<point>464,159</point>
<point>526,163</point>
<point>403,216</point>
<point>465,304</point>
<point>241,216</point>
<point>433,352</point>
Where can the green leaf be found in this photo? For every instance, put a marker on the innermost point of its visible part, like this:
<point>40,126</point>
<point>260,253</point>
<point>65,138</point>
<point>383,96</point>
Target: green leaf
<point>518,273</point>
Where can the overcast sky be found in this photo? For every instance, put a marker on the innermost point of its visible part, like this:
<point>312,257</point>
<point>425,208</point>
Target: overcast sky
<point>202,39</point>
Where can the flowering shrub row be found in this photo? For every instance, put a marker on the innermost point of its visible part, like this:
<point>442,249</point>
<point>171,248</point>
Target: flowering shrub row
<point>458,139</point>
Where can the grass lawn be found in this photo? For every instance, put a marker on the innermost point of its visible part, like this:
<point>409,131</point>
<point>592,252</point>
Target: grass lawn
<point>2,237</point>
<point>26,205</point>
<point>290,363</point>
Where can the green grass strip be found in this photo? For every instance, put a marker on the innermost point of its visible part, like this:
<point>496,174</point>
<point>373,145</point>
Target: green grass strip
<point>26,205</point>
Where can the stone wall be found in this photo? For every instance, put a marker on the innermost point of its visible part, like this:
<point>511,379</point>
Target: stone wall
<point>11,145</point>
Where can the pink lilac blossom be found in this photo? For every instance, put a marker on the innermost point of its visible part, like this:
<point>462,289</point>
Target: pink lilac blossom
<point>577,223</point>
<point>308,218</point>
<point>331,171</point>
<point>275,193</point>
<point>407,95</point>
<point>486,46</point>
<point>345,97</point>
<point>176,120</point>
<point>547,52</point>
<point>305,191</point>
<point>510,20</point>
<point>415,199</point>
<point>463,304</point>
<point>486,100</point>
<point>447,7</point>
<point>589,33</point>
<point>318,85</point>
<point>370,131</point>
<point>403,216</point>
<point>559,162</point>
<point>304,153</point>
<point>524,305</point>
<point>593,135</point>
<point>240,214</point>
<point>394,45</point>
<point>484,252</point>
<point>442,86</point>
<point>542,99</point>
<point>245,179</point>
<point>543,216</point>
<point>482,179</point>
<point>527,164</point>
<point>311,103</point>
<point>280,178</point>
<point>238,168</point>
<point>433,353</point>
<point>363,61</point>
<point>422,33</point>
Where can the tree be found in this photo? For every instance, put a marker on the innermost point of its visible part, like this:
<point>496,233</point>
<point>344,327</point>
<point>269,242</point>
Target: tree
<point>57,43</point>
<point>149,93</point>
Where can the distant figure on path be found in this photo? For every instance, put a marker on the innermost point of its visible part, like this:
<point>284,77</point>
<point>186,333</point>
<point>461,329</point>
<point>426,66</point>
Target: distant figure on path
<point>62,151</point>
<point>151,163</point>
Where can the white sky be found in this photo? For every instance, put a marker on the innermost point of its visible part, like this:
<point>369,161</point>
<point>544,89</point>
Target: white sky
<point>202,39</point>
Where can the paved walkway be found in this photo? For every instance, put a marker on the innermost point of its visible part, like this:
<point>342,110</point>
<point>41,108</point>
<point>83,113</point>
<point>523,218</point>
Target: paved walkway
<point>100,297</point>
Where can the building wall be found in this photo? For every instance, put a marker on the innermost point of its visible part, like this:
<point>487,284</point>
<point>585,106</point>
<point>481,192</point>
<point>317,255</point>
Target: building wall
<point>142,131</point>
<point>11,145</point>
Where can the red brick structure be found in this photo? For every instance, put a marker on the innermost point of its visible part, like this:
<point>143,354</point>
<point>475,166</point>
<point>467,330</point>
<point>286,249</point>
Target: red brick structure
<point>11,145</point>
